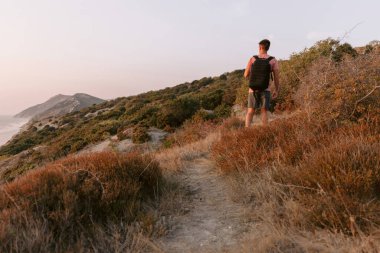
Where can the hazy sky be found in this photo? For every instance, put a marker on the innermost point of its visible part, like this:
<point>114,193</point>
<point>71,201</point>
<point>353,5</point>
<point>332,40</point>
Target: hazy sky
<point>112,48</point>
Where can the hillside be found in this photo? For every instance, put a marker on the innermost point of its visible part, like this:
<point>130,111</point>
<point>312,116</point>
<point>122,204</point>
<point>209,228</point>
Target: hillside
<point>166,109</point>
<point>40,108</point>
<point>59,105</point>
<point>306,182</point>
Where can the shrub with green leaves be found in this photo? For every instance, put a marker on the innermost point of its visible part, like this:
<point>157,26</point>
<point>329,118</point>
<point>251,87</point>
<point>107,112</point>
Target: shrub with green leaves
<point>140,134</point>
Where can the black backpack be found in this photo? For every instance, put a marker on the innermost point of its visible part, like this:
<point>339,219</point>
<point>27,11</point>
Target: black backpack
<point>260,73</point>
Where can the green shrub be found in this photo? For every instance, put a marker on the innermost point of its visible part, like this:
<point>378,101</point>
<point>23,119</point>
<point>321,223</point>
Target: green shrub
<point>140,134</point>
<point>177,111</point>
<point>211,100</point>
<point>222,111</point>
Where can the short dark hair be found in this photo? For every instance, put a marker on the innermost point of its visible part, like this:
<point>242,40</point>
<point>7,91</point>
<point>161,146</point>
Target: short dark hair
<point>265,43</point>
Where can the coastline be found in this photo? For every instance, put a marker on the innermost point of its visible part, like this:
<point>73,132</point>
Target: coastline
<point>11,127</point>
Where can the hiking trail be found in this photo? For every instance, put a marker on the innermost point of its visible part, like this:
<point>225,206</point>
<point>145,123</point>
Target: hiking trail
<point>212,222</point>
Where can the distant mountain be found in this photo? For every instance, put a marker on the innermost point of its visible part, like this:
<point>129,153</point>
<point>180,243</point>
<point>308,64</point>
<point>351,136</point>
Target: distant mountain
<point>40,108</point>
<point>59,105</point>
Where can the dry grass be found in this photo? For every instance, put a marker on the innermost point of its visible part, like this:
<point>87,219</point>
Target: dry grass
<point>284,141</point>
<point>63,205</point>
<point>191,131</point>
<point>313,187</point>
<point>339,185</point>
<point>313,180</point>
<point>282,223</point>
<point>348,91</point>
<point>232,123</point>
<point>271,239</point>
<point>175,159</point>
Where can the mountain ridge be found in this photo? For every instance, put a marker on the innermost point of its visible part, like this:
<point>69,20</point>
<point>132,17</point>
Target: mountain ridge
<point>59,105</point>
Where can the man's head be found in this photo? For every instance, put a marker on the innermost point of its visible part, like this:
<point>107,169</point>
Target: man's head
<point>264,45</point>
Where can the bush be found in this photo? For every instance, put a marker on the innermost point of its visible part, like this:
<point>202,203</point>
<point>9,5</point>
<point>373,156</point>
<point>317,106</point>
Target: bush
<point>223,77</point>
<point>339,185</point>
<point>211,100</point>
<point>283,141</point>
<point>242,93</point>
<point>293,71</point>
<point>68,198</point>
<point>233,123</point>
<point>140,134</point>
<point>124,133</point>
<point>202,115</point>
<point>344,91</point>
<point>223,111</point>
<point>331,171</point>
<point>177,111</point>
<point>191,131</point>
<point>342,50</point>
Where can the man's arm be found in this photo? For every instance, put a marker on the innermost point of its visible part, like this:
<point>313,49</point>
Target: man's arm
<point>247,72</point>
<point>276,79</point>
<point>248,69</point>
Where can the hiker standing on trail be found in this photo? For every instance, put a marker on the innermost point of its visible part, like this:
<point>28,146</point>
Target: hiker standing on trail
<point>259,71</point>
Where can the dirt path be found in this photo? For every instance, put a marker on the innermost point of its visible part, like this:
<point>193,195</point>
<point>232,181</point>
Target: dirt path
<point>213,222</point>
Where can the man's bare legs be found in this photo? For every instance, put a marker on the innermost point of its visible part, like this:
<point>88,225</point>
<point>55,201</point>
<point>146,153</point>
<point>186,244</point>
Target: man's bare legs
<point>249,116</point>
<point>264,116</point>
<point>251,112</point>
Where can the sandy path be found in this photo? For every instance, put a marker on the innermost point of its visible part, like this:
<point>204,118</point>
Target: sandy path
<point>213,221</point>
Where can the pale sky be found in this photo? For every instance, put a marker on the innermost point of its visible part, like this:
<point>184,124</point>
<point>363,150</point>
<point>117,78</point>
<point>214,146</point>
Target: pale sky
<point>113,48</point>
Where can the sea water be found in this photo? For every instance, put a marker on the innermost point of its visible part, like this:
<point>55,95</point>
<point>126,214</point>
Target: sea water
<point>10,126</point>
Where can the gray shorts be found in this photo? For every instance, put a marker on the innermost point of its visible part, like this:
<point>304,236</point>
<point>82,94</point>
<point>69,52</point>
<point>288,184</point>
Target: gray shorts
<point>259,100</point>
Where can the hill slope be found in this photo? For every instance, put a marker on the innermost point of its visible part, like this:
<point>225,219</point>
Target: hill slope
<point>307,182</point>
<point>167,109</point>
<point>59,105</point>
<point>40,108</point>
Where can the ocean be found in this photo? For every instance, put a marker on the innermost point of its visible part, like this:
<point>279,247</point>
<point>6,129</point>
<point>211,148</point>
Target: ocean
<point>9,126</point>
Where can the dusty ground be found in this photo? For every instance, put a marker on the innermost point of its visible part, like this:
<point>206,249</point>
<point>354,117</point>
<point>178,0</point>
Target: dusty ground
<point>212,222</point>
<point>126,145</point>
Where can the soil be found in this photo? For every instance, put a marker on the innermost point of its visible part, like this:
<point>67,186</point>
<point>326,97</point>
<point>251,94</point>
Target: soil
<point>212,220</point>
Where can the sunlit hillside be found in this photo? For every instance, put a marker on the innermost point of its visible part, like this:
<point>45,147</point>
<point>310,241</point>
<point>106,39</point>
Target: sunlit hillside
<point>307,182</point>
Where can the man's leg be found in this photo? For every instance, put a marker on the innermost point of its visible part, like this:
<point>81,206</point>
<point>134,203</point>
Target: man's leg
<point>250,109</point>
<point>249,116</point>
<point>266,97</point>
<point>264,116</point>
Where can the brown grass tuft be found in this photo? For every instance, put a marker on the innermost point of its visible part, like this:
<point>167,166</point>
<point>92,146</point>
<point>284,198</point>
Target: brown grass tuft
<point>68,198</point>
<point>339,185</point>
<point>175,158</point>
<point>284,141</point>
<point>348,91</point>
<point>191,131</point>
<point>318,175</point>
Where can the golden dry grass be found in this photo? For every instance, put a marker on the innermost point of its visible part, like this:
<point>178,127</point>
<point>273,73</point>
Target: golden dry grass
<point>313,187</point>
<point>313,180</point>
<point>67,203</point>
<point>175,158</point>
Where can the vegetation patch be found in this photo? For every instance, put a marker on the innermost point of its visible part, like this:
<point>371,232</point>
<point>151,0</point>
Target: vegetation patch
<point>70,198</point>
<point>320,168</point>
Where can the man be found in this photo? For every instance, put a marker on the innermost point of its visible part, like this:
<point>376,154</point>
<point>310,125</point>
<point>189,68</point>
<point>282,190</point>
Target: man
<point>259,71</point>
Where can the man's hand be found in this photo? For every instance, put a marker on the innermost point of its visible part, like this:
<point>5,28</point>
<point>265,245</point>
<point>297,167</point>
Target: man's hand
<point>275,93</point>
<point>250,90</point>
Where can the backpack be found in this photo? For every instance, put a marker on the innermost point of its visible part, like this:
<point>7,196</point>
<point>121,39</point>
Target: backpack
<point>260,73</point>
